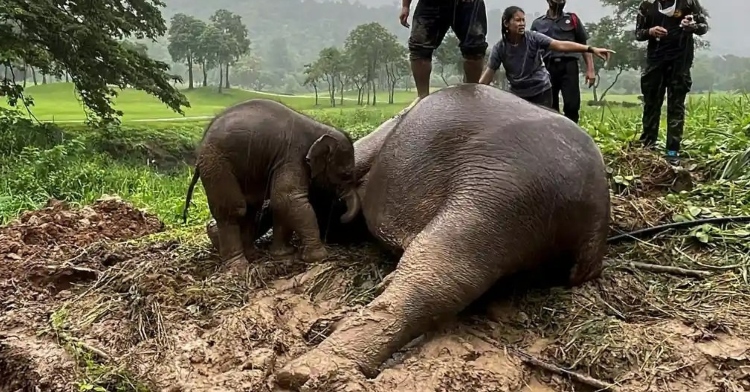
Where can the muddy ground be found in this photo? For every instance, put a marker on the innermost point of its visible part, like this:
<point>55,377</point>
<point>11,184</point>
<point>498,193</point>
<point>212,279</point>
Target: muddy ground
<point>101,297</point>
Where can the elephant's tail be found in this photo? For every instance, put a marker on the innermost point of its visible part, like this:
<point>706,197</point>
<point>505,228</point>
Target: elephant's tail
<point>194,181</point>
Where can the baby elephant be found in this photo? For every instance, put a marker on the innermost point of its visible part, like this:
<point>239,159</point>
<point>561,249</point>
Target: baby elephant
<point>259,150</point>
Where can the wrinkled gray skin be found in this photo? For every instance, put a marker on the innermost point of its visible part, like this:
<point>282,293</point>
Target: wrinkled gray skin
<point>324,203</point>
<point>473,184</point>
<point>260,150</point>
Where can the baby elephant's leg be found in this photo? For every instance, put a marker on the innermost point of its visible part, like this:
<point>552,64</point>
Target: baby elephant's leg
<point>229,209</point>
<point>292,212</point>
<point>282,234</point>
<point>248,230</point>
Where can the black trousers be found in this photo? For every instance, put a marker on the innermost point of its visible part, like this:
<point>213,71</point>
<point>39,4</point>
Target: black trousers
<point>433,18</point>
<point>657,78</point>
<point>564,75</point>
<point>543,99</point>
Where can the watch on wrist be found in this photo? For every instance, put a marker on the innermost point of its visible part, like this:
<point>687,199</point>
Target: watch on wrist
<point>590,49</point>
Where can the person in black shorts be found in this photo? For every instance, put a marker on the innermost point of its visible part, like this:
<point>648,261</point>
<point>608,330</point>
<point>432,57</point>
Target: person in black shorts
<point>432,18</point>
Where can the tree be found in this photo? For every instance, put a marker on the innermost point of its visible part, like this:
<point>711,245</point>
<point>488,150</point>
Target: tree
<point>355,74</point>
<point>396,67</point>
<point>312,77</point>
<point>83,40</point>
<point>448,59</point>
<point>330,65</point>
<point>184,38</point>
<point>235,33</point>
<point>210,46</point>
<point>366,45</point>
<point>612,33</point>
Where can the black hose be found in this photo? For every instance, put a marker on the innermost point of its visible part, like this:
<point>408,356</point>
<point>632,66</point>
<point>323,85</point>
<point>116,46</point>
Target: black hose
<point>675,225</point>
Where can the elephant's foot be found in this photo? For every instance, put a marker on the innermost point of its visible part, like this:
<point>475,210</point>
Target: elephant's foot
<point>281,250</point>
<point>238,265</point>
<point>252,254</point>
<point>319,368</point>
<point>314,254</point>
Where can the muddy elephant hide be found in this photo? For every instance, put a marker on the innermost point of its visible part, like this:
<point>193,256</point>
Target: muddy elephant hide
<point>327,208</point>
<point>326,204</point>
<point>262,150</point>
<point>474,185</point>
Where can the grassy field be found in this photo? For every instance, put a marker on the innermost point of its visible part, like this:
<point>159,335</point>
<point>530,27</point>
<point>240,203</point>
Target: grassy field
<point>633,327</point>
<point>57,102</point>
<point>78,164</point>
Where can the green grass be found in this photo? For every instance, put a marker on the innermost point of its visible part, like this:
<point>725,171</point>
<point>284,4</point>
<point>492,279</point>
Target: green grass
<point>79,164</point>
<point>58,102</point>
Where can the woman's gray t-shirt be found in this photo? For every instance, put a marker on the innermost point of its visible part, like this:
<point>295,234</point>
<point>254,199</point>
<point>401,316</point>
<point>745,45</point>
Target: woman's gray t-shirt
<point>523,64</point>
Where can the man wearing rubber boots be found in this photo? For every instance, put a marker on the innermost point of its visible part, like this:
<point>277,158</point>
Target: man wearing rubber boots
<point>668,26</point>
<point>563,67</point>
<point>431,21</point>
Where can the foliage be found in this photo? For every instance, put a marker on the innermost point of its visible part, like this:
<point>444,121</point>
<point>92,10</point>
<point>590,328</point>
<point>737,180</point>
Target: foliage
<point>447,58</point>
<point>184,40</point>
<point>137,47</point>
<point>330,65</point>
<point>235,38</point>
<point>84,41</point>
<point>372,60</point>
<point>220,43</point>
<point>78,163</point>
<point>612,33</point>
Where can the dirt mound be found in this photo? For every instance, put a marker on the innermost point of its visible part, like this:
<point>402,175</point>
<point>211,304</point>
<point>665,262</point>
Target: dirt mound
<point>29,245</point>
<point>41,262</point>
<point>84,309</point>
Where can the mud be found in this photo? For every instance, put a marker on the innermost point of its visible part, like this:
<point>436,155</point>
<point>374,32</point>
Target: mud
<point>97,296</point>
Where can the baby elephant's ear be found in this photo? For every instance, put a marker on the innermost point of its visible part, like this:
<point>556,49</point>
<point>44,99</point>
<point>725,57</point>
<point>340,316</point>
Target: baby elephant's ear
<point>317,156</point>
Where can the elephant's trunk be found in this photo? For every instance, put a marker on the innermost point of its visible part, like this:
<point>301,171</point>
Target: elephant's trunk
<point>353,205</point>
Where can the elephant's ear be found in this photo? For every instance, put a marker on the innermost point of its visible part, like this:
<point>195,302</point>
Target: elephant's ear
<point>317,156</point>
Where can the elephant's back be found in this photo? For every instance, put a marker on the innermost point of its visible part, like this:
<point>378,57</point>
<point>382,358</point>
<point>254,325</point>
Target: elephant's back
<point>367,148</point>
<point>255,136</point>
<point>482,142</point>
<point>474,125</point>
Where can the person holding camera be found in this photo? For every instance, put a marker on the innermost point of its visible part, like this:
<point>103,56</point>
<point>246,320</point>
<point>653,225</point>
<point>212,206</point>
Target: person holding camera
<point>668,26</point>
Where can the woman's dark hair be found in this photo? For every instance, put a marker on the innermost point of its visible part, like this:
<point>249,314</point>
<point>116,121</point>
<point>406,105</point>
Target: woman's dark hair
<point>507,16</point>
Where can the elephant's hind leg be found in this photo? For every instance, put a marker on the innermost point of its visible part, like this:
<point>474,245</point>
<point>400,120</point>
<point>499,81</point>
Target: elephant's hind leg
<point>248,231</point>
<point>446,267</point>
<point>227,205</point>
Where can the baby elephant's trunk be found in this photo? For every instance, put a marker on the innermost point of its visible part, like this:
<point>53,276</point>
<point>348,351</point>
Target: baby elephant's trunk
<point>353,205</point>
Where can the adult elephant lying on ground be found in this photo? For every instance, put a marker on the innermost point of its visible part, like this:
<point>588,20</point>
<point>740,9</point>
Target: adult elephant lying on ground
<point>473,184</point>
<point>259,150</point>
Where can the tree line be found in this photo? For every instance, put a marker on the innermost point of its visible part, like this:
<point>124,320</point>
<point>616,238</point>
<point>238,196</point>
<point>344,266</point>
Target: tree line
<point>113,44</point>
<point>218,43</point>
<point>371,59</point>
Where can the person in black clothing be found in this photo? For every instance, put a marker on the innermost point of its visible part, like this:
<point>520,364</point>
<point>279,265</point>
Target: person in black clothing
<point>563,67</point>
<point>431,21</point>
<point>668,26</point>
